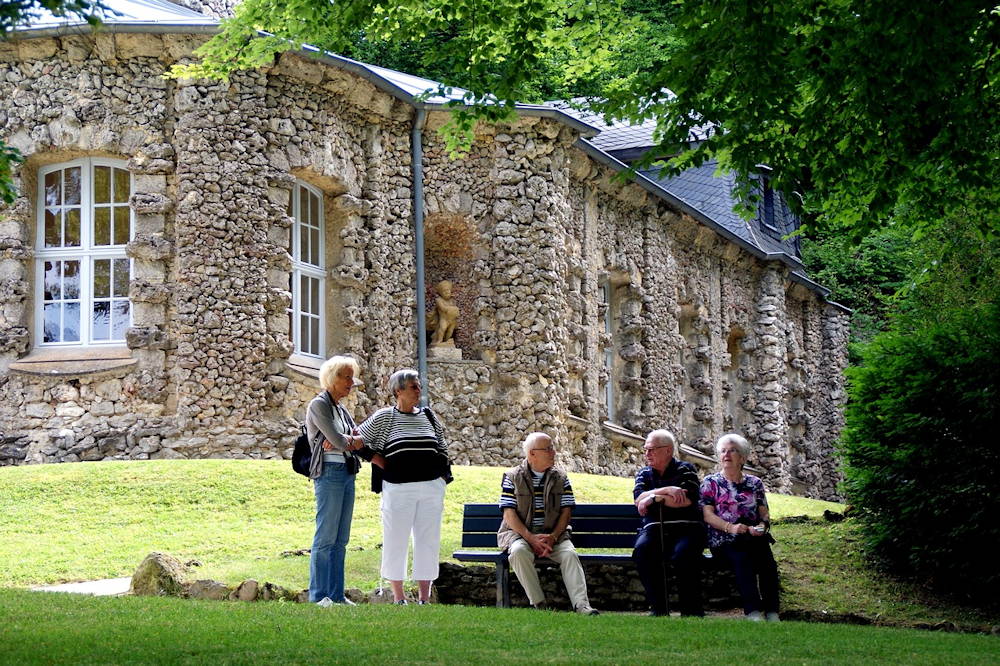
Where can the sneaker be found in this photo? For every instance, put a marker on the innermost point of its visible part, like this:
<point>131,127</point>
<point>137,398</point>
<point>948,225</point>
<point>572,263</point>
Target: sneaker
<point>346,602</point>
<point>423,602</point>
<point>325,602</point>
<point>657,613</point>
<point>585,609</point>
<point>401,602</point>
<point>541,605</point>
<point>755,616</point>
<point>772,617</point>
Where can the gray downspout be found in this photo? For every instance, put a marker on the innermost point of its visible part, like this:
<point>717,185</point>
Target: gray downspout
<point>416,161</point>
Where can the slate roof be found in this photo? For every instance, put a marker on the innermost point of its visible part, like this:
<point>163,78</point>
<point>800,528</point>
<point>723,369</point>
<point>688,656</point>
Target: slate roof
<point>701,188</point>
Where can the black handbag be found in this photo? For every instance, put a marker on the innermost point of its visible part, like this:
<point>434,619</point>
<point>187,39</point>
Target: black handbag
<point>302,453</point>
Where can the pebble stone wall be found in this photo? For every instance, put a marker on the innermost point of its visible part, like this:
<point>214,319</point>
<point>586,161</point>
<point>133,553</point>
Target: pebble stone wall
<point>570,283</point>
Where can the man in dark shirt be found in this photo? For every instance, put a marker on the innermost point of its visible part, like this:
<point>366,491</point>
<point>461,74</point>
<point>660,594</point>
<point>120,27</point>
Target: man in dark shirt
<point>666,496</point>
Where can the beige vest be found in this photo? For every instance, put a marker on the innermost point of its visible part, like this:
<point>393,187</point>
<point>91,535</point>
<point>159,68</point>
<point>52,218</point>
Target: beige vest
<point>552,491</point>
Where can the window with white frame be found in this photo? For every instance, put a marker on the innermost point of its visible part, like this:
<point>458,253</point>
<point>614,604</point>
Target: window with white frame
<point>82,273</point>
<point>307,281</point>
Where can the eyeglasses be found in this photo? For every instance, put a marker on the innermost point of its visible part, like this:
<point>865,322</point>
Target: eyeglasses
<point>547,449</point>
<point>653,448</point>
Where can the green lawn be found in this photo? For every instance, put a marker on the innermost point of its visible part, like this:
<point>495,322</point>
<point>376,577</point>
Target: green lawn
<point>86,521</point>
<point>60,628</point>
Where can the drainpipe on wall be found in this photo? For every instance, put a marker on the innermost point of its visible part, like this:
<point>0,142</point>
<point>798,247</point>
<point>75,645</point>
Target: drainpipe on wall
<point>416,162</point>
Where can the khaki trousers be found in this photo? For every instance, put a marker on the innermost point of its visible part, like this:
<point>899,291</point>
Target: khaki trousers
<point>522,561</point>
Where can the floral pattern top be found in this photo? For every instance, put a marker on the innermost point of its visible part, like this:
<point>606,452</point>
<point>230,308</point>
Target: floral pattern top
<point>733,502</point>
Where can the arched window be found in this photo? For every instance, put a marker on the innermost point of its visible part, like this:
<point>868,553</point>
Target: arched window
<point>82,273</point>
<point>307,282</point>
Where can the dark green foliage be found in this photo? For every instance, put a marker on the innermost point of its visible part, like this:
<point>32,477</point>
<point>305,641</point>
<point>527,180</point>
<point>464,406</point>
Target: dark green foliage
<point>921,449</point>
<point>865,276</point>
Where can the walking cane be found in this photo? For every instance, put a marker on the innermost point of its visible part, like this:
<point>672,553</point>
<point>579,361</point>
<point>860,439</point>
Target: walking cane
<point>663,562</point>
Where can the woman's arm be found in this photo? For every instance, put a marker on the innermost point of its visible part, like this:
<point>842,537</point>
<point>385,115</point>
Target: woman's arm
<point>716,521</point>
<point>321,416</point>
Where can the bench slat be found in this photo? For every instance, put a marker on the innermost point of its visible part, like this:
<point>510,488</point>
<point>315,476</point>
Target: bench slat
<point>485,540</point>
<point>608,525</point>
<point>604,540</point>
<point>580,510</point>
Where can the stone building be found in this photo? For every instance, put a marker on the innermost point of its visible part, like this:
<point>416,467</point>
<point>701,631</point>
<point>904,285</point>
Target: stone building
<point>183,255</point>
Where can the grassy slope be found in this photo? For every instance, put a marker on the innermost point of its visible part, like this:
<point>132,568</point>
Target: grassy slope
<point>37,628</point>
<point>98,520</point>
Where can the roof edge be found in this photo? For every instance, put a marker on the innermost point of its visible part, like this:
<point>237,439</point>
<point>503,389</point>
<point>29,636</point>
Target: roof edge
<point>650,186</point>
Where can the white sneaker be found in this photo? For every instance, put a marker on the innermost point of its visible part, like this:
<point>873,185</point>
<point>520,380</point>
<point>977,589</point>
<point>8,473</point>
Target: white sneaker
<point>755,616</point>
<point>325,602</point>
<point>585,609</point>
<point>772,617</point>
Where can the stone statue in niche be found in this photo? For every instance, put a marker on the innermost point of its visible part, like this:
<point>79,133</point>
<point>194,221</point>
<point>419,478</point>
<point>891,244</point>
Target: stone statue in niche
<point>443,319</point>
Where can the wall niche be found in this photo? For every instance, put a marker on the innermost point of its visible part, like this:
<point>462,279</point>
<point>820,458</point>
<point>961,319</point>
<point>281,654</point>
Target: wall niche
<point>451,247</point>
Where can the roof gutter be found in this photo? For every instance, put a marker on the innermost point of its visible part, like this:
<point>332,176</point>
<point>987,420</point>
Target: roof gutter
<point>417,169</point>
<point>146,27</point>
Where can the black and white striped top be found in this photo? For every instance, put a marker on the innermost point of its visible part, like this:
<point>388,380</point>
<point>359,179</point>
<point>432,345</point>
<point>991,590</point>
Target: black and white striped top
<point>414,450</point>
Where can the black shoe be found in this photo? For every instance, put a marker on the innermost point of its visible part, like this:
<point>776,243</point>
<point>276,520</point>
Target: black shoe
<point>658,613</point>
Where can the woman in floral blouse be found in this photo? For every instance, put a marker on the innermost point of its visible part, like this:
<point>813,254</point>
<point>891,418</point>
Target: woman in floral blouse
<point>735,508</point>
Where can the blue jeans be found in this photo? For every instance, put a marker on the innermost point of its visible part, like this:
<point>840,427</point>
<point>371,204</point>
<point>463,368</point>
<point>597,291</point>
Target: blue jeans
<point>334,509</point>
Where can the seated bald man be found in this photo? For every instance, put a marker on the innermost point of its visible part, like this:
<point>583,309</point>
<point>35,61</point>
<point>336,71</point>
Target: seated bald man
<point>666,496</point>
<point>537,501</point>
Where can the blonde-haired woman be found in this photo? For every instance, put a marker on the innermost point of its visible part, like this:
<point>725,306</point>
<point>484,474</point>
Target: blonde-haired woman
<point>735,508</point>
<point>331,430</point>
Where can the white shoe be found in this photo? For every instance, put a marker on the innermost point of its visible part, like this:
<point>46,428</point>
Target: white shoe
<point>772,617</point>
<point>585,609</point>
<point>346,602</point>
<point>755,616</point>
<point>325,602</point>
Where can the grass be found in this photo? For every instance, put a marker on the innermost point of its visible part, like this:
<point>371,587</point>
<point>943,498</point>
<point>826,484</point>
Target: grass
<point>98,520</point>
<point>50,628</point>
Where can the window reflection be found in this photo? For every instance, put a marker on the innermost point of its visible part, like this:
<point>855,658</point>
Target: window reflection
<point>84,224</point>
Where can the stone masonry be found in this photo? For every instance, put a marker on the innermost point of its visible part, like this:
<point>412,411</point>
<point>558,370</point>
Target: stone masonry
<point>589,308</point>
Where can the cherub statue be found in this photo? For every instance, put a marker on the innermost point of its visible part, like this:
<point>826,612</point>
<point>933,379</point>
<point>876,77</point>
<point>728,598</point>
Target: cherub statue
<point>444,317</point>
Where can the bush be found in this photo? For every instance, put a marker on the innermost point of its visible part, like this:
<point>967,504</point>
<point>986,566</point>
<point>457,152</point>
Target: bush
<point>922,453</point>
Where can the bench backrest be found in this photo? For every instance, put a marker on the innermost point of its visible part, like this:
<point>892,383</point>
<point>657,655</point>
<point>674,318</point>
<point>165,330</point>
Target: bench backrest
<point>594,525</point>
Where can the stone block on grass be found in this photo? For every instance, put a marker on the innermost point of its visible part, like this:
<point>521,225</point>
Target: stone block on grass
<point>158,574</point>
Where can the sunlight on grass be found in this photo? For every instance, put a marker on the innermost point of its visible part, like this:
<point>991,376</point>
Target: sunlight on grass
<point>98,520</point>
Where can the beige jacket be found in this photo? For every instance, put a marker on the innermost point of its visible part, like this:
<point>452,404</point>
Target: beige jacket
<point>552,485</point>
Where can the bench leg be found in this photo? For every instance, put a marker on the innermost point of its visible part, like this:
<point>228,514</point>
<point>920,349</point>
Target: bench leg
<point>503,583</point>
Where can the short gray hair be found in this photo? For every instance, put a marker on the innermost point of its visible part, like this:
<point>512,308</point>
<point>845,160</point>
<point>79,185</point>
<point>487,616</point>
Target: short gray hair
<point>530,439</point>
<point>663,435</point>
<point>739,440</point>
<point>400,379</point>
<point>328,371</point>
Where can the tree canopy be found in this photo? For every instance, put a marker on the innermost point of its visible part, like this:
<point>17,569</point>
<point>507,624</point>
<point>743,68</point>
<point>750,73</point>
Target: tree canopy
<point>864,111</point>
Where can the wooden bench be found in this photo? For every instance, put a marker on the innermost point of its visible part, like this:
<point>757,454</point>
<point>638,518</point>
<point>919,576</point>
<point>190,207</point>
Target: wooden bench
<point>594,526</point>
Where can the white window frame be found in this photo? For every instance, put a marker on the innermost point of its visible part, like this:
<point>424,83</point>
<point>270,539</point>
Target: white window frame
<point>86,253</point>
<point>303,268</point>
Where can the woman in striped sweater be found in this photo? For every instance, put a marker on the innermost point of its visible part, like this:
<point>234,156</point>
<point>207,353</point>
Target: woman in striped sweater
<point>409,445</point>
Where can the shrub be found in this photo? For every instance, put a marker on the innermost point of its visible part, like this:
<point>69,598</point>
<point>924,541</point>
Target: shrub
<point>922,452</point>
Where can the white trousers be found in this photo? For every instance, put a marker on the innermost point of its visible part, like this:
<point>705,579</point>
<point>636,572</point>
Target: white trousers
<point>412,508</point>
<point>522,561</point>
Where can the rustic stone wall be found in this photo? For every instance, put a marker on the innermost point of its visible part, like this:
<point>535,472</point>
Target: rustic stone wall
<point>571,285</point>
<point>611,587</point>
